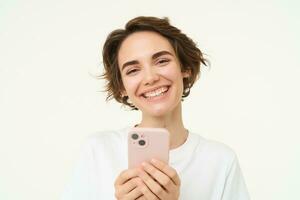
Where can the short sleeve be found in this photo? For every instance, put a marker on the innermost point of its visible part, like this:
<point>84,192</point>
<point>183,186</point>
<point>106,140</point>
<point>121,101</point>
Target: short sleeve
<point>235,187</point>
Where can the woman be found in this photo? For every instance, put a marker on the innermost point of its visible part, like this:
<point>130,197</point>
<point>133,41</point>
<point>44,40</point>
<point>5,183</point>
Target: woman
<point>151,66</point>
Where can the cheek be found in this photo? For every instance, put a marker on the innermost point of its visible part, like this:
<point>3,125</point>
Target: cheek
<point>130,85</point>
<point>172,73</point>
<point>176,77</point>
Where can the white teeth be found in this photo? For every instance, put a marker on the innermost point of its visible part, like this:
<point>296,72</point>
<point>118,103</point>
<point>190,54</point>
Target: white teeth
<point>158,92</point>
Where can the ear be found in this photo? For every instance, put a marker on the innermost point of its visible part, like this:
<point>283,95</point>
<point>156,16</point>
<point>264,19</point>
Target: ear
<point>186,73</point>
<point>124,93</point>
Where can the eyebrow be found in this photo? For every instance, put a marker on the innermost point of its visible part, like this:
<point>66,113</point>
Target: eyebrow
<point>154,56</point>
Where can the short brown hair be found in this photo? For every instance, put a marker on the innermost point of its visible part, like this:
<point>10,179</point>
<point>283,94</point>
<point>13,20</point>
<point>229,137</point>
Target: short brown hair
<point>190,57</point>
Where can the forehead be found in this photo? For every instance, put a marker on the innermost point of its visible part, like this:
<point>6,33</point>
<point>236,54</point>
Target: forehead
<point>142,45</point>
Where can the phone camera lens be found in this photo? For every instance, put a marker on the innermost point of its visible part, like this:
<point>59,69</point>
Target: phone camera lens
<point>134,136</point>
<point>142,142</point>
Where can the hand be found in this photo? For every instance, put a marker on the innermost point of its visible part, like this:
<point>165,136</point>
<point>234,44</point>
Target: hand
<point>160,181</point>
<point>126,185</point>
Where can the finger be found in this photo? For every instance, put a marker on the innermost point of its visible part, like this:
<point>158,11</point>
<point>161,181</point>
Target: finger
<point>128,186</point>
<point>159,176</point>
<point>125,176</point>
<point>169,171</point>
<point>154,186</point>
<point>134,194</point>
<point>141,198</point>
<point>147,192</point>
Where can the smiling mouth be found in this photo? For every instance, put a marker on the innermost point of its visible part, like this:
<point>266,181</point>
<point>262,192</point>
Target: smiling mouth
<point>156,93</point>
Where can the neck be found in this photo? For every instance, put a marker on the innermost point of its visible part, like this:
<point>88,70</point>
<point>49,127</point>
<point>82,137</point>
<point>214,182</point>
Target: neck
<point>172,122</point>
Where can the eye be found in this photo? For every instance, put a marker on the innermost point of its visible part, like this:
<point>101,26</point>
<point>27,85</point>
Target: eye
<point>131,71</point>
<point>163,61</point>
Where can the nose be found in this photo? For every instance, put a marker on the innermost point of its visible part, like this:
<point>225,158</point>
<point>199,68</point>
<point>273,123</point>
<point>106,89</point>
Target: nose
<point>150,76</point>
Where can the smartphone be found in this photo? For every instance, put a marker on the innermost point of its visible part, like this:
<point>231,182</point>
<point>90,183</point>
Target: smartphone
<point>147,143</point>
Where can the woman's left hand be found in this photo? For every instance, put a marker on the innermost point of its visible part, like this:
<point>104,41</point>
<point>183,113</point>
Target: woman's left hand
<point>160,181</point>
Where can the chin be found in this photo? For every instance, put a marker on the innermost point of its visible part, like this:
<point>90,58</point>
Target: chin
<point>159,107</point>
<point>158,111</point>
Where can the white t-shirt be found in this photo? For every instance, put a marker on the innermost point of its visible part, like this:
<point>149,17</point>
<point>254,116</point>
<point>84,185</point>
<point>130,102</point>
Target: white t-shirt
<point>208,170</point>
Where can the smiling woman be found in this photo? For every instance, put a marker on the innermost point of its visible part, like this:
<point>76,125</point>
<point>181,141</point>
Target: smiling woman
<point>152,78</point>
<point>154,65</point>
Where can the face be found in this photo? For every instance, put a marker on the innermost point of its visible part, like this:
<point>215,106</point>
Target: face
<point>151,73</point>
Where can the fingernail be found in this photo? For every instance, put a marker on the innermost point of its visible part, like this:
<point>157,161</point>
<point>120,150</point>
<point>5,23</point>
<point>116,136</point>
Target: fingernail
<point>153,160</point>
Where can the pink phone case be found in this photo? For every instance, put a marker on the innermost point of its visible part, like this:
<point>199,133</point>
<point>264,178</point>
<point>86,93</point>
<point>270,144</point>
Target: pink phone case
<point>147,143</point>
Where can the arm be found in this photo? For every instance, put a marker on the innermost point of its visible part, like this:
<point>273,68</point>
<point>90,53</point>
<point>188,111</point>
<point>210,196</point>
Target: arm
<point>235,187</point>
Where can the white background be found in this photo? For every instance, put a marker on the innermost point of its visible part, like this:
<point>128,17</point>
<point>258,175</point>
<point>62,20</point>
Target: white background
<point>49,103</point>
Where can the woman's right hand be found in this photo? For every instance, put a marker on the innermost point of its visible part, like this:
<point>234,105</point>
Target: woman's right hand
<point>127,185</point>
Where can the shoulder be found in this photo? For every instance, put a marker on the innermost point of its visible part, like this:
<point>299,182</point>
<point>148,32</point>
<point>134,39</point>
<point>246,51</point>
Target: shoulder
<point>105,136</point>
<point>108,138</point>
<point>215,150</point>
